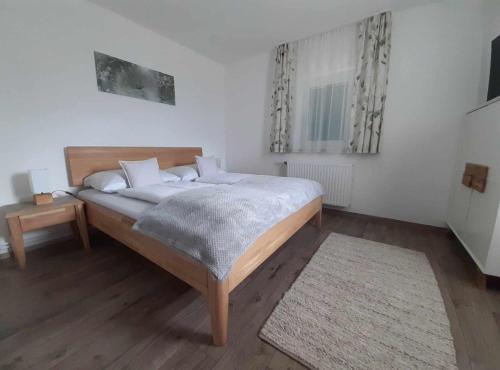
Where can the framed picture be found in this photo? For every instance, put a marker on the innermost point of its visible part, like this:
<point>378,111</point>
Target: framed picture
<point>117,76</point>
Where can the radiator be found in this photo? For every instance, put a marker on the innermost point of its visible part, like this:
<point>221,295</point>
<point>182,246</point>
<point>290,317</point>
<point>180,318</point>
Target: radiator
<point>335,179</point>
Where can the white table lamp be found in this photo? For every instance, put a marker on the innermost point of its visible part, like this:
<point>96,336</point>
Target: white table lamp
<point>40,186</point>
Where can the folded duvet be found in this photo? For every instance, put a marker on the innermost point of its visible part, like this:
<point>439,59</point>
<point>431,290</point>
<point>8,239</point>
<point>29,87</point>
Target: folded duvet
<point>216,224</point>
<point>157,192</point>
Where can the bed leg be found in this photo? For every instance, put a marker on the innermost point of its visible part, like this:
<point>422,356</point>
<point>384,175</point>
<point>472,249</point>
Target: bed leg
<point>218,305</point>
<point>317,219</point>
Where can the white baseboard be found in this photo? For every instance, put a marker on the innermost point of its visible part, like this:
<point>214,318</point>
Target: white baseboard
<point>37,239</point>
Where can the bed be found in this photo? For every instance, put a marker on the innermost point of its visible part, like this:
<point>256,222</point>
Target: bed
<point>118,223</point>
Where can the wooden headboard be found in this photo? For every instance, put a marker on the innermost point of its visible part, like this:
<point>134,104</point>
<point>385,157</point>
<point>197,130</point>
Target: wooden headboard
<point>82,161</point>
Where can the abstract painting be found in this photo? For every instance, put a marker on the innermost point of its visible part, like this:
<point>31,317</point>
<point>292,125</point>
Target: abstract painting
<point>117,76</point>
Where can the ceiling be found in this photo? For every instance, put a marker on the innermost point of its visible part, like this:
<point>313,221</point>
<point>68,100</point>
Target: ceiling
<point>229,30</point>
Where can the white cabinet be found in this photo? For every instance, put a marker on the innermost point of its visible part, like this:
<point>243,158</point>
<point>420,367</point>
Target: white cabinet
<point>474,217</point>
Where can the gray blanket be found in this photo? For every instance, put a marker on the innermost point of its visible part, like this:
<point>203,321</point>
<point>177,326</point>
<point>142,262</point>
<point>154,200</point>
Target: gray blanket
<point>215,225</point>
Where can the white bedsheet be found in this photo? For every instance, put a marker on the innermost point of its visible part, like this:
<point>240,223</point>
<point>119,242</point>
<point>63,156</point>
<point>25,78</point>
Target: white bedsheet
<point>132,208</point>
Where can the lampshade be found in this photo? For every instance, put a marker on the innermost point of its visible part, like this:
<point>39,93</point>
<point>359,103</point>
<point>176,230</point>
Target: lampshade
<point>39,181</point>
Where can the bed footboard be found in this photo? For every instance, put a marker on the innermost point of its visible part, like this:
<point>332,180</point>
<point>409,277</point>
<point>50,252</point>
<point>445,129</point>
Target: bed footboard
<point>194,273</point>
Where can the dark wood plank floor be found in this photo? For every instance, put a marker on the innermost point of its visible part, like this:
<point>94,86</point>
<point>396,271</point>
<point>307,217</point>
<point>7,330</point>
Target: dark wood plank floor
<point>112,309</point>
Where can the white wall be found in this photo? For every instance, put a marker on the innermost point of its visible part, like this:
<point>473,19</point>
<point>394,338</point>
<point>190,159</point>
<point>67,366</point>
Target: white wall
<point>491,29</point>
<point>49,100</point>
<point>49,97</point>
<point>433,81</point>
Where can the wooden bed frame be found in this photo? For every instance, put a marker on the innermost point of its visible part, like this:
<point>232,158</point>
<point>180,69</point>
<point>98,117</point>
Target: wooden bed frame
<point>83,161</point>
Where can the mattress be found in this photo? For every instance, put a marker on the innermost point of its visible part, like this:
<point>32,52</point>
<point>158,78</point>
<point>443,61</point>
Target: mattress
<point>132,208</point>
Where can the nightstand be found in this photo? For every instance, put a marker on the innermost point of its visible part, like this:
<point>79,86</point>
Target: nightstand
<point>32,217</point>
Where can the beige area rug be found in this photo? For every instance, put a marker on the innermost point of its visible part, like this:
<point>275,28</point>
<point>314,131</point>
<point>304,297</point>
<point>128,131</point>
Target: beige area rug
<point>359,304</point>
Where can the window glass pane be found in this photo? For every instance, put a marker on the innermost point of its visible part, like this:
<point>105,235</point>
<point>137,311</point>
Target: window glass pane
<point>326,112</point>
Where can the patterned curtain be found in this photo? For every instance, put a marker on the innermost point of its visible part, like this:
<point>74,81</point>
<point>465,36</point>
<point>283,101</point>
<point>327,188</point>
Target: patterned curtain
<point>370,84</point>
<point>282,99</point>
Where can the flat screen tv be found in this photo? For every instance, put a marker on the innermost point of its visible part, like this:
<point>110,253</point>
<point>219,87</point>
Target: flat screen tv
<point>494,86</point>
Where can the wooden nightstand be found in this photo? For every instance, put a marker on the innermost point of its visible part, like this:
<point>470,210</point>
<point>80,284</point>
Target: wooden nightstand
<point>32,217</point>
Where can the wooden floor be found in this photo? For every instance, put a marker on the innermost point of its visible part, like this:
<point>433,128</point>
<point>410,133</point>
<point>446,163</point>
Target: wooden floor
<point>112,309</point>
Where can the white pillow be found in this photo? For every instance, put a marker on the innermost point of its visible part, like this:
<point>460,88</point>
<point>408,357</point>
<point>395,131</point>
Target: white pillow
<point>169,177</point>
<point>107,181</point>
<point>186,173</point>
<point>207,166</point>
<point>142,173</point>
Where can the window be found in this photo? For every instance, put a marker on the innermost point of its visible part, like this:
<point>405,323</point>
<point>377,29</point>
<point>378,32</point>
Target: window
<point>327,112</point>
<point>322,91</point>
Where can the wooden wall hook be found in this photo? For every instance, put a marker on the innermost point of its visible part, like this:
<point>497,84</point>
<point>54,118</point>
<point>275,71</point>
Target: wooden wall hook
<point>475,176</point>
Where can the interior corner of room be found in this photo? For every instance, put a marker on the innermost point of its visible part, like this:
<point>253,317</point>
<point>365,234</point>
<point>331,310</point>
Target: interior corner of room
<point>410,178</point>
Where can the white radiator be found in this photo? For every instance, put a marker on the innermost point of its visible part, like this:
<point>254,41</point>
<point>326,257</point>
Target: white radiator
<point>335,179</point>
